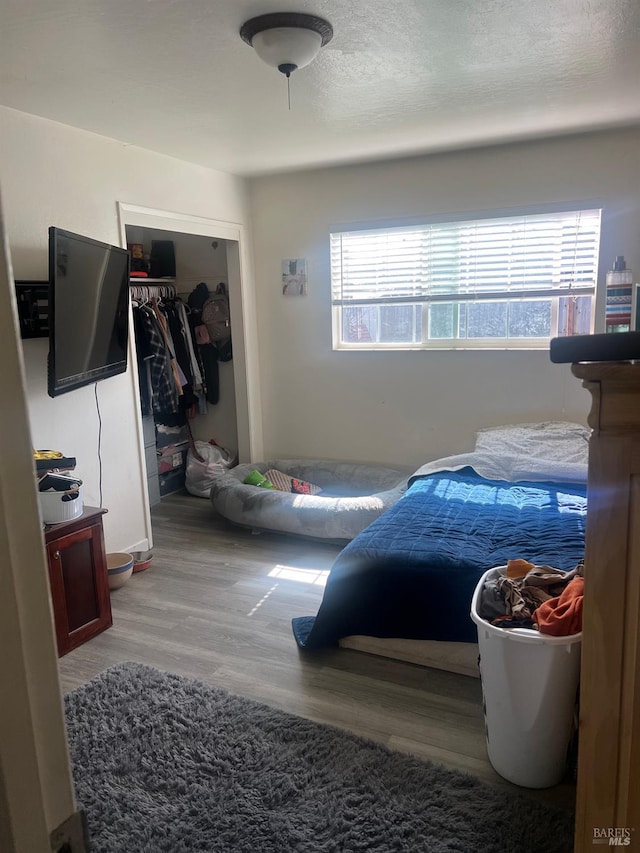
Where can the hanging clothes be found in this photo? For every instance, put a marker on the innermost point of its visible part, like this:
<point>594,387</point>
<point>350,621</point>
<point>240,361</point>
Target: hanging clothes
<point>209,351</point>
<point>144,353</point>
<point>151,345</point>
<point>196,372</point>
<point>174,384</point>
<point>209,355</point>
<point>164,329</point>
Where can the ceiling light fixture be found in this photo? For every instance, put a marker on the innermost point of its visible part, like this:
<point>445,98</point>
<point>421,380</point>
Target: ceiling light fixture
<point>287,40</point>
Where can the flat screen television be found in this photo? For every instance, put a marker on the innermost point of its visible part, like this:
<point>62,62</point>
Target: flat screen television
<point>88,311</point>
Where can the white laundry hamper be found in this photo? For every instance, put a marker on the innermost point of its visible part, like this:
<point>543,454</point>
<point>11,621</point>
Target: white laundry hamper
<point>529,688</point>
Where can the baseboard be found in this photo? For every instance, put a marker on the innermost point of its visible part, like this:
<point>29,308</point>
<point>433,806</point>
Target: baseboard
<point>142,545</point>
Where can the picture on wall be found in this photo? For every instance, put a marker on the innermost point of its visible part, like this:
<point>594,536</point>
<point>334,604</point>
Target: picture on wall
<point>294,277</point>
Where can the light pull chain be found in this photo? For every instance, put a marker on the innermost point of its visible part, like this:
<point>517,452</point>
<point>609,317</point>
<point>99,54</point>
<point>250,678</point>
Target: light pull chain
<point>286,68</point>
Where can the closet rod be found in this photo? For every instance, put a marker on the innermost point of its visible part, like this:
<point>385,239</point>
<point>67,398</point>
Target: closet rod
<point>205,279</point>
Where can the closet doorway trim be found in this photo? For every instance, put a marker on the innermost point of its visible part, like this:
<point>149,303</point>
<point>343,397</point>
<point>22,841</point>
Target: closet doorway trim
<point>242,302</point>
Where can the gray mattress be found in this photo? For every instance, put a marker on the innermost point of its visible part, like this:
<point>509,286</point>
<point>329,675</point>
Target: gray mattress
<point>353,496</point>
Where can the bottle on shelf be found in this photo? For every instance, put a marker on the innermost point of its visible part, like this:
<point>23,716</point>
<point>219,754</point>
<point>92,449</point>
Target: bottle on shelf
<point>619,297</point>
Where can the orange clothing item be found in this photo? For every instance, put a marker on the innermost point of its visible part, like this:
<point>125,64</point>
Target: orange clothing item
<point>518,568</point>
<point>562,615</point>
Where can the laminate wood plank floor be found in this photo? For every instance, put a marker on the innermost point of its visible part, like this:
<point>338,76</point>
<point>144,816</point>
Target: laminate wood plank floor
<point>216,604</point>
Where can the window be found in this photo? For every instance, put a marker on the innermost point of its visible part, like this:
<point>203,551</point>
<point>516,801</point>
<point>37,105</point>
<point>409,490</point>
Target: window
<point>513,282</point>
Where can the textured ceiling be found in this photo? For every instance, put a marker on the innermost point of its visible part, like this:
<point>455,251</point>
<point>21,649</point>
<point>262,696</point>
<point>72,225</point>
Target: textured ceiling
<point>399,77</point>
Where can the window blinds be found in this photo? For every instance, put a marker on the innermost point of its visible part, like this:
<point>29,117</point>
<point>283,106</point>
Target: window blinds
<point>538,255</point>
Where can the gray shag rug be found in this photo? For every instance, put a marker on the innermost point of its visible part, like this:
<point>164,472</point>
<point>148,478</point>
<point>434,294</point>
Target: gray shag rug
<point>165,763</point>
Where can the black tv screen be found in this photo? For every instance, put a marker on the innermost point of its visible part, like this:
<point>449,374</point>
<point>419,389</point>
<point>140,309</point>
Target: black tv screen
<point>88,311</point>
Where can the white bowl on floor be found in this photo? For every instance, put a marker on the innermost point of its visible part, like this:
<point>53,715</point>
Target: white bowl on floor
<point>119,568</point>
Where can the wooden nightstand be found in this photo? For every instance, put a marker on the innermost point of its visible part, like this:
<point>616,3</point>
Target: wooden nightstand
<point>78,578</point>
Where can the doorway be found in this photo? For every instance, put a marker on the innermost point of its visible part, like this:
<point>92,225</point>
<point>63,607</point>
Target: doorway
<point>213,252</point>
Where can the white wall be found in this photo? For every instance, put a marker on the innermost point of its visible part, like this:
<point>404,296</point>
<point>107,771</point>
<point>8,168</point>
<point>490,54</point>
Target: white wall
<point>407,407</point>
<point>56,175</point>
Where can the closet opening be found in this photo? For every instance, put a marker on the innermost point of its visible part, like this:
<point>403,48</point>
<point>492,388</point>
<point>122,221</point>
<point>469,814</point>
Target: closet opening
<point>178,262</point>
<point>186,378</point>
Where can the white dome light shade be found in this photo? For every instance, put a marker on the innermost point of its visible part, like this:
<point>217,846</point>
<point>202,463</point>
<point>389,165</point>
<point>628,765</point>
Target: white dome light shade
<point>287,40</point>
<point>287,46</point>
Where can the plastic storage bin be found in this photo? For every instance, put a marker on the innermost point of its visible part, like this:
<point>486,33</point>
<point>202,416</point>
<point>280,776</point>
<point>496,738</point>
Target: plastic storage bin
<point>172,481</point>
<point>529,687</point>
<point>172,456</point>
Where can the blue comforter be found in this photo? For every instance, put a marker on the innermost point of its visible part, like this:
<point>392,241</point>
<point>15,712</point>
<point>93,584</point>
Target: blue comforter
<point>412,572</point>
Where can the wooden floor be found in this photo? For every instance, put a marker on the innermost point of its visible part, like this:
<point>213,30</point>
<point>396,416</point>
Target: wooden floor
<point>216,604</point>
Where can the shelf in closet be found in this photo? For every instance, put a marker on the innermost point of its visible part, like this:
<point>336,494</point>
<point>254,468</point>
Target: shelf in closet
<point>152,280</point>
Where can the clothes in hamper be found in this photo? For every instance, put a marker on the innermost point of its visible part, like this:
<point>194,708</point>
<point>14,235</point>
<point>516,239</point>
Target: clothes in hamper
<point>562,616</point>
<point>511,599</point>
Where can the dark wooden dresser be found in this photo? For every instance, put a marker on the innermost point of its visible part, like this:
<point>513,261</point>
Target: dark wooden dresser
<point>78,578</point>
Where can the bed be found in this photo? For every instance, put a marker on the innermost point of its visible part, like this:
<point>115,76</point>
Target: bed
<point>407,580</point>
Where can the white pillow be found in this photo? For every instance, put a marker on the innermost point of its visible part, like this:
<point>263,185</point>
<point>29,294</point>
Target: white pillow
<point>553,441</point>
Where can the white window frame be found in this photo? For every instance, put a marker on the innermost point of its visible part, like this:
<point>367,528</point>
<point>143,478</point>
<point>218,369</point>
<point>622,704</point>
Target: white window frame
<point>424,298</point>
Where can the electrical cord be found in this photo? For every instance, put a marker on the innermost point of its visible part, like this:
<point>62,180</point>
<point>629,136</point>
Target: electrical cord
<point>95,389</point>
